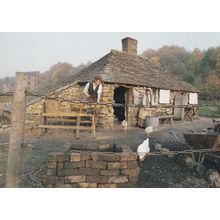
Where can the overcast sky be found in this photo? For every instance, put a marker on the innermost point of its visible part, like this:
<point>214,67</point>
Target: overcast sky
<point>38,51</point>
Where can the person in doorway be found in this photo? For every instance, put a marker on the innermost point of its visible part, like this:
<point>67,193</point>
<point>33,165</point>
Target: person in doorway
<point>144,110</point>
<point>93,90</point>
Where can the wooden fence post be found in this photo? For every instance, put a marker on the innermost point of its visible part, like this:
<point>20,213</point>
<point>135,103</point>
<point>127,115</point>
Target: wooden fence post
<point>17,131</point>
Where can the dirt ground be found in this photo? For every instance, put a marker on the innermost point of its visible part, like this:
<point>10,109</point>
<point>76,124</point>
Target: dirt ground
<point>159,171</point>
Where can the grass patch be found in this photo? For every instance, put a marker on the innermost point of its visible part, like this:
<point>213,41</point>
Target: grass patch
<point>209,111</point>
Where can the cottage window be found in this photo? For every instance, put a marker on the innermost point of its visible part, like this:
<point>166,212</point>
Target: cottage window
<point>193,98</point>
<point>164,96</point>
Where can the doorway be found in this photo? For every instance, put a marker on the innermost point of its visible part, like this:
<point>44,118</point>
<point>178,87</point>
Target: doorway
<point>120,97</point>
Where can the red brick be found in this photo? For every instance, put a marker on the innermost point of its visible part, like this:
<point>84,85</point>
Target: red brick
<point>131,172</point>
<point>109,172</point>
<point>75,179</point>
<point>117,165</point>
<point>89,171</point>
<point>96,179</point>
<point>107,185</point>
<point>87,185</point>
<point>117,179</point>
<point>96,164</point>
<point>75,157</point>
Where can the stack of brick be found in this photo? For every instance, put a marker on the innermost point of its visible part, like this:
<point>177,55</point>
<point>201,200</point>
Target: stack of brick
<point>92,168</point>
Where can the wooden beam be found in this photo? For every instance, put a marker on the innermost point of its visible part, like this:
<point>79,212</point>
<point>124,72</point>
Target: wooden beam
<point>17,131</point>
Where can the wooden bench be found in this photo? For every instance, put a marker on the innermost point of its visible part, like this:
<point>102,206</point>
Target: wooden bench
<point>70,117</point>
<point>166,118</point>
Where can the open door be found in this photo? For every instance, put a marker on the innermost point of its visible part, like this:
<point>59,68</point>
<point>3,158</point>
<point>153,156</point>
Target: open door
<point>179,112</point>
<point>121,97</point>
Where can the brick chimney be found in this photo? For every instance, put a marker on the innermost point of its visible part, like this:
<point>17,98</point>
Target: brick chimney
<point>129,45</point>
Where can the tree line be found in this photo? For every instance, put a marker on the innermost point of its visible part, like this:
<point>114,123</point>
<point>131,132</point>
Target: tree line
<point>201,68</point>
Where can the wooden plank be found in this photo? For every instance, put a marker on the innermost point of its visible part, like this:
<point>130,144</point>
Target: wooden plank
<point>17,131</point>
<point>65,127</point>
<point>179,101</point>
<point>66,120</point>
<point>66,114</point>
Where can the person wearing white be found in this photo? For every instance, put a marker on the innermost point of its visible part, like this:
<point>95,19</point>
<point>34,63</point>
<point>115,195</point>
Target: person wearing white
<point>93,90</point>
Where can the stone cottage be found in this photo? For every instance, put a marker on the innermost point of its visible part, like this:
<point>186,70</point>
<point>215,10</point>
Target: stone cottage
<point>125,76</point>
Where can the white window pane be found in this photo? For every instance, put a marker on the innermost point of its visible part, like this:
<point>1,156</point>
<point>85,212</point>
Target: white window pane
<point>164,96</point>
<point>193,98</point>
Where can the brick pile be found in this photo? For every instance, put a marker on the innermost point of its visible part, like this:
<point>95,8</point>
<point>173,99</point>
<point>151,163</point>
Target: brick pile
<point>92,166</point>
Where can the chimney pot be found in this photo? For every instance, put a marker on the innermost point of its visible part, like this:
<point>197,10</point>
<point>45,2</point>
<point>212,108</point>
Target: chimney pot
<point>129,45</point>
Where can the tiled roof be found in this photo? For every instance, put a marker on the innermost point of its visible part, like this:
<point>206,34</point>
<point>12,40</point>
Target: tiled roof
<point>125,68</point>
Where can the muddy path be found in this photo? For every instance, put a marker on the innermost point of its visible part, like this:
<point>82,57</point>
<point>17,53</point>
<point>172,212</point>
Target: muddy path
<point>155,171</point>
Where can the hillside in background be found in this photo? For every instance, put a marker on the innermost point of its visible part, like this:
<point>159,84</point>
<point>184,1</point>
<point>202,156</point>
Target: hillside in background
<point>199,68</point>
<point>55,77</point>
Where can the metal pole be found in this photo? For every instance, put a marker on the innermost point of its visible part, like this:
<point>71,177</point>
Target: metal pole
<point>17,131</point>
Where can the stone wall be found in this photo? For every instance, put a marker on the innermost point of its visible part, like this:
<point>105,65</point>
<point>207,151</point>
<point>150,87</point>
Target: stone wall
<point>105,117</point>
<point>93,165</point>
<point>73,93</point>
<point>160,109</point>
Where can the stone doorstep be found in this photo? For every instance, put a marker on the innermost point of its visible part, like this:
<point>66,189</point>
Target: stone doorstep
<point>75,179</point>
